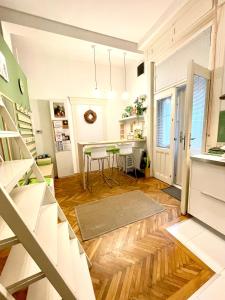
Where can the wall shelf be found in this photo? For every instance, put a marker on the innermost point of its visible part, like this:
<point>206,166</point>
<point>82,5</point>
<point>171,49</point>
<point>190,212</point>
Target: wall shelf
<point>132,118</point>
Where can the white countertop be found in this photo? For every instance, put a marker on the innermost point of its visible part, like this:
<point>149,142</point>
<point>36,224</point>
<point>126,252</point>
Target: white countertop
<point>111,142</point>
<point>214,159</point>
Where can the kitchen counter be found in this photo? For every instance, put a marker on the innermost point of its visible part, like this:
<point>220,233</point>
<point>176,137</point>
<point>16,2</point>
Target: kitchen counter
<point>81,147</point>
<point>209,158</point>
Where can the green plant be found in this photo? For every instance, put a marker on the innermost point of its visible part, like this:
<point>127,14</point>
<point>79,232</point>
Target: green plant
<point>128,109</point>
<point>139,105</point>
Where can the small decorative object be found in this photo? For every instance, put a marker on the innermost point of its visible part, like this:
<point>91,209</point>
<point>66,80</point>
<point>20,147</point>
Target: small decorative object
<point>138,133</point>
<point>59,110</point>
<point>3,67</point>
<point>90,116</point>
<point>21,86</point>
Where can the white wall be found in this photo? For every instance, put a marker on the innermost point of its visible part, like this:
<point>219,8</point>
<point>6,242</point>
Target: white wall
<point>174,69</point>
<point>136,85</point>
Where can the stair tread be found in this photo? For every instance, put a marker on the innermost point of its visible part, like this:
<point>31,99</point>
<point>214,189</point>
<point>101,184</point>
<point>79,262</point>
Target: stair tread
<point>28,209</point>
<point>47,229</point>
<point>19,264</point>
<point>9,134</point>
<point>64,254</point>
<point>43,290</point>
<point>12,171</point>
<point>83,284</point>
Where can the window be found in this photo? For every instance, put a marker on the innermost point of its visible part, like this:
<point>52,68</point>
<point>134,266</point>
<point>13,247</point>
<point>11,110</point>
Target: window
<point>163,122</point>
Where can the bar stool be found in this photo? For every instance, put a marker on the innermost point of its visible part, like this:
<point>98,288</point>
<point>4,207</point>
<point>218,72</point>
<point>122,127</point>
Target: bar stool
<point>126,158</point>
<point>113,151</point>
<point>97,154</point>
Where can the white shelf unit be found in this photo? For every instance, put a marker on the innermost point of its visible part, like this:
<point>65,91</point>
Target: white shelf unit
<point>129,124</point>
<point>45,255</point>
<point>63,138</point>
<point>132,118</point>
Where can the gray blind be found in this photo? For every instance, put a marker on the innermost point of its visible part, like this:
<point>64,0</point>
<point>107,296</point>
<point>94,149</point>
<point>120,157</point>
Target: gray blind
<point>163,122</point>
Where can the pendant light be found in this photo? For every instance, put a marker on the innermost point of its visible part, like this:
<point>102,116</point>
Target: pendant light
<point>96,91</point>
<point>111,93</point>
<point>125,94</point>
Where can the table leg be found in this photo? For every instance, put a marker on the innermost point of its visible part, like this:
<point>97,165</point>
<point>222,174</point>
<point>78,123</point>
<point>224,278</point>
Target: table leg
<point>82,165</point>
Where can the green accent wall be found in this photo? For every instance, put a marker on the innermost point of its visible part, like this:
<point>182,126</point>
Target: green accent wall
<point>11,89</point>
<point>221,130</point>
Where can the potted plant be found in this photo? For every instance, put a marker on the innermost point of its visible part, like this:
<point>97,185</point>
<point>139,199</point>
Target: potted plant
<point>139,105</point>
<point>128,111</point>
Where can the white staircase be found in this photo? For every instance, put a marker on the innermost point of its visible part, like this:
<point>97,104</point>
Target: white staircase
<point>45,257</point>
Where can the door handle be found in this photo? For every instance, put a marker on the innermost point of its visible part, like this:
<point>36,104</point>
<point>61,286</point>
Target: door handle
<point>192,139</point>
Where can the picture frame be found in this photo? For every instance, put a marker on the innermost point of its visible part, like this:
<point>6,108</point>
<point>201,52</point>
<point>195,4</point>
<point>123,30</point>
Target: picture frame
<point>58,110</point>
<point>3,67</point>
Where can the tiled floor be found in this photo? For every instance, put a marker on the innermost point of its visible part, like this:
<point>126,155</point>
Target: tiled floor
<point>210,248</point>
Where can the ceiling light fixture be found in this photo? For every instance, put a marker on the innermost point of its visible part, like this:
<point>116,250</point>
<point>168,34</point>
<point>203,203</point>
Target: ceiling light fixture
<point>96,91</point>
<point>111,93</point>
<point>125,94</point>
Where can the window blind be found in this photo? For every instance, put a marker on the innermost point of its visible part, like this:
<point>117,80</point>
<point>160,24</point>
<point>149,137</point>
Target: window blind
<point>163,122</point>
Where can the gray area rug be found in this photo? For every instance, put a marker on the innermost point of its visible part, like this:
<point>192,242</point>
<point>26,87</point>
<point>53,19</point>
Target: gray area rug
<point>99,217</point>
<point>173,191</point>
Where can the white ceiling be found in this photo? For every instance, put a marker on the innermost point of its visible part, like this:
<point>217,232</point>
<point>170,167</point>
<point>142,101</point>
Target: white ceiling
<point>125,19</point>
<point>65,47</point>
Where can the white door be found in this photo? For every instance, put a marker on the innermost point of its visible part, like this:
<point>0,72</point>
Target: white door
<point>196,104</point>
<point>179,134</point>
<point>164,135</point>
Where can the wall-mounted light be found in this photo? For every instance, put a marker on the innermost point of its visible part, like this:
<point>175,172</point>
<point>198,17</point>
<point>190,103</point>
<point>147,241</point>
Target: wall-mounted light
<point>111,93</point>
<point>96,91</point>
<point>222,97</point>
<point>125,94</point>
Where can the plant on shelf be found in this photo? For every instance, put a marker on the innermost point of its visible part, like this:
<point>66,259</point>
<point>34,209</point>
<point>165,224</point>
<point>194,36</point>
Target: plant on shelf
<point>137,109</point>
<point>128,111</point>
<point>139,105</point>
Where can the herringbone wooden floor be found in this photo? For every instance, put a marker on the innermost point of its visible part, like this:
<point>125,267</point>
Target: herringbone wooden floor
<point>139,261</point>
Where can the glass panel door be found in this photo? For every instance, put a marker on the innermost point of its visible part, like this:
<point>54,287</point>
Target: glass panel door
<point>198,115</point>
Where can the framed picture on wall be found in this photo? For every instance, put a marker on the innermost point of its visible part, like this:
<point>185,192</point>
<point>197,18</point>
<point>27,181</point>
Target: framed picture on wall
<point>3,67</point>
<point>58,110</point>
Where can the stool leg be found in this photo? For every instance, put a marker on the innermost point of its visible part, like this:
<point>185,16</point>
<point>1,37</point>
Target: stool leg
<point>88,175</point>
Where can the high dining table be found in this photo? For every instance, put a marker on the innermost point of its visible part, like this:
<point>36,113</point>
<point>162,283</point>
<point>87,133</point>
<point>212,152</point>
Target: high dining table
<point>81,155</point>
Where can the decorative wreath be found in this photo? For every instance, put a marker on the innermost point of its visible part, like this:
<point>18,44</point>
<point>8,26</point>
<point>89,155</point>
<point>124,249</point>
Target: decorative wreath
<point>90,116</point>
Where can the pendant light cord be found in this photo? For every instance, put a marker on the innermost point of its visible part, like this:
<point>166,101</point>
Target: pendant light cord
<point>110,70</point>
<point>125,71</point>
<point>96,85</point>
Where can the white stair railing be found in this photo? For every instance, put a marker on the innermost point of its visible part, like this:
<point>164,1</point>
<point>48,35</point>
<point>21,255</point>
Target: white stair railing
<point>45,256</point>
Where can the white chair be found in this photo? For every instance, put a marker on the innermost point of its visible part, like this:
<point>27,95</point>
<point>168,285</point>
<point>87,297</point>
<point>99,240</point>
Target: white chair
<point>98,154</point>
<point>126,158</point>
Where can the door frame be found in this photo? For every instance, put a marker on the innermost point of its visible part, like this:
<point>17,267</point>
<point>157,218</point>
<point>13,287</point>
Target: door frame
<point>193,69</point>
<point>170,92</point>
<point>180,86</point>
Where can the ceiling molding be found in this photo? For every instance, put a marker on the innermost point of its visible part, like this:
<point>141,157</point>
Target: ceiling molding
<point>165,17</point>
<point>25,19</point>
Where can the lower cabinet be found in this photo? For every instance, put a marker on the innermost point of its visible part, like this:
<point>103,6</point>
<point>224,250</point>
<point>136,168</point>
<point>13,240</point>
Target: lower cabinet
<point>207,194</point>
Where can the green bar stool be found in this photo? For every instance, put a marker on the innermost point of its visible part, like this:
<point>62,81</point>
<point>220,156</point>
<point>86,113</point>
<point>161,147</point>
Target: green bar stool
<point>113,151</point>
<point>101,155</point>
